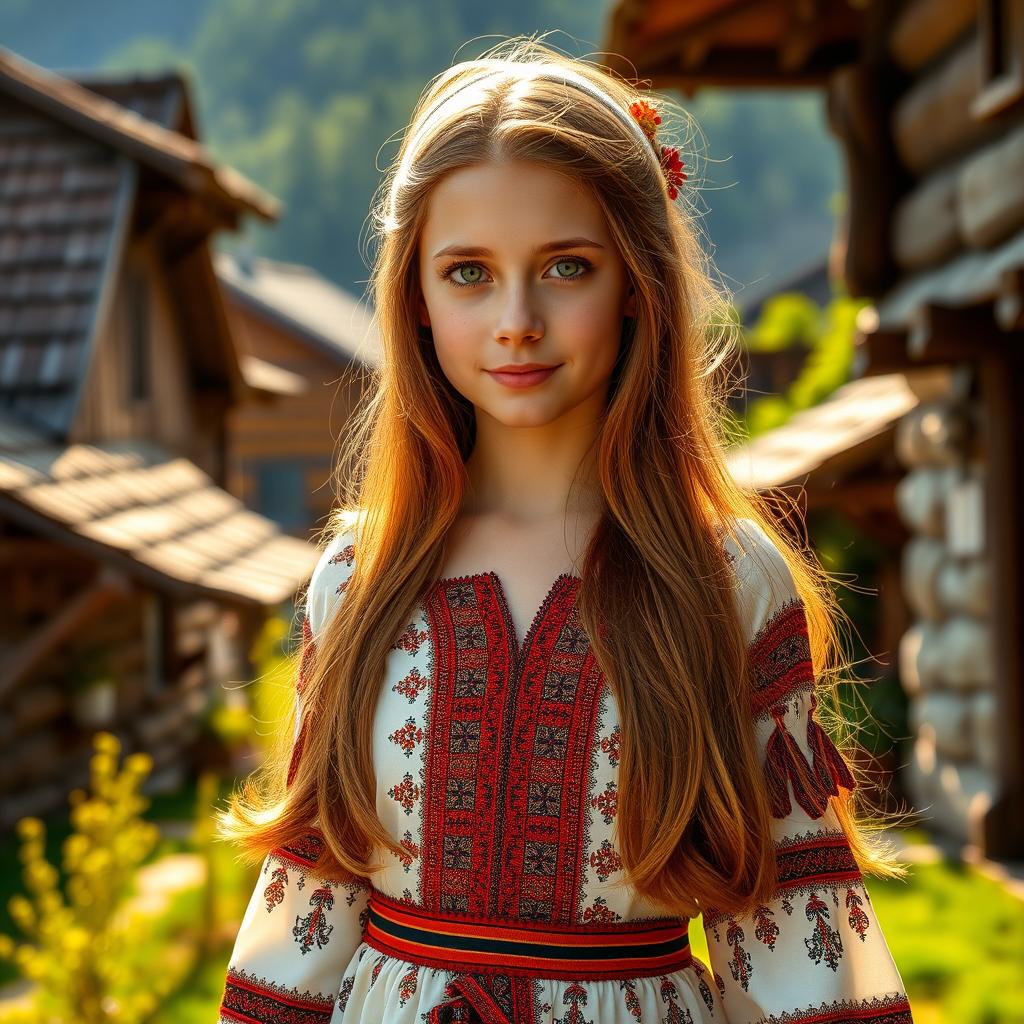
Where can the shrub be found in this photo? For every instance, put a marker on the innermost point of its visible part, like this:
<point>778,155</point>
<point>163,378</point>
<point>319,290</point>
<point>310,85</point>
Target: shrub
<point>77,934</point>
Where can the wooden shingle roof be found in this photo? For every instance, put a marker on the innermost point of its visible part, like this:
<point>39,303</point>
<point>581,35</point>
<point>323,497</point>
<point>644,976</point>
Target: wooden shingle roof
<point>64,203</point>
<point>848,428</point>
<point>305,303</point>
<point>154,513</point>
<point>70,163</point>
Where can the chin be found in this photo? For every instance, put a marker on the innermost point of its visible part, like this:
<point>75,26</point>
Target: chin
<point>537,416</point>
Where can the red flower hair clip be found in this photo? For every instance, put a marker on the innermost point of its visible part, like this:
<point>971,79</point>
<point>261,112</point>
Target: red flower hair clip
<point>648,118</point>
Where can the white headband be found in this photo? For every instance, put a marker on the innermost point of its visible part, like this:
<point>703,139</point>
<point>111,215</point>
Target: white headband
<point>564,75</point>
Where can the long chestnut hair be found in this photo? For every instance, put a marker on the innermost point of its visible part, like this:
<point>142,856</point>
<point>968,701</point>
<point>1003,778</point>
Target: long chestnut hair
<point>694,823</point>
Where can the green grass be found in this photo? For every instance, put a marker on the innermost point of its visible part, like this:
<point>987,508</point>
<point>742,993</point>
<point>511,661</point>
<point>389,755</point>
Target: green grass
<point>958,940</point>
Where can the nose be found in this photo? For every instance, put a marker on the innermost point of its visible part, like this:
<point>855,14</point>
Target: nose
<point>520,320</point>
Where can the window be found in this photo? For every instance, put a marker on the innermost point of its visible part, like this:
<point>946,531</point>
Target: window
<point>281,492</point>
<point>1001,84</point>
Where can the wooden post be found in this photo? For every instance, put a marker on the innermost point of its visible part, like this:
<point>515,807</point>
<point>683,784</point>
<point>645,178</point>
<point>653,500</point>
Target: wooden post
<point>1001,369</point>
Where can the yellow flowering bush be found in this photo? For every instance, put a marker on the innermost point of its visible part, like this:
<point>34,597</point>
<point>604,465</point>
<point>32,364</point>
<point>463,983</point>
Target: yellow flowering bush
<point>77,938</point>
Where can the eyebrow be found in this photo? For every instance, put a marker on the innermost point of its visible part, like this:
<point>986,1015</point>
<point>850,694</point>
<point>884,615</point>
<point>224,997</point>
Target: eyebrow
<point>475,250</point>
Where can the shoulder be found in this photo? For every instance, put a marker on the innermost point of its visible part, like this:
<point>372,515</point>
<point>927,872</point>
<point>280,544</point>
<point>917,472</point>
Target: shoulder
<point>763,580</point>
<point>330,577</point>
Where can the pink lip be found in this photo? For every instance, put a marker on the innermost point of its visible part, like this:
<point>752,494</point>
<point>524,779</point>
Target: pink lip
<point>523,379</point>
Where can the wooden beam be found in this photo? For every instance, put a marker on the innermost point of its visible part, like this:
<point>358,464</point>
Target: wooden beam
<point>78,611</point>
<point>878,351</point>
<point>747,68</point>
<point>869,498</point>
<point>951,334</point>
<point>803,35</point>
<point>858,114</point>
<point>1001,372</point>
<point>1010,300</point>
<point>695,41</point>
<point>932,121</point>
<point>924,28</point>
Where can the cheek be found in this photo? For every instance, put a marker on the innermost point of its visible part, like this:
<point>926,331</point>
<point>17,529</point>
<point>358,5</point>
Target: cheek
<point>456,347</point>
<point>594,331</point>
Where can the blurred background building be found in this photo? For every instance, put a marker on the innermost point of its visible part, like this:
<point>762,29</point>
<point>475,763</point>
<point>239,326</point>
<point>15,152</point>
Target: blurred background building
<point>925,99</point>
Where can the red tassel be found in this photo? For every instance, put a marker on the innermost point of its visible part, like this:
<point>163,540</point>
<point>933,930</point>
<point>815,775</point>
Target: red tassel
<point>786,763</point>
<point>829,765</point>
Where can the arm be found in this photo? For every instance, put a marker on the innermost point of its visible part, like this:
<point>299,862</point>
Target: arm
<point>815,952</point>
<point>300,929</point>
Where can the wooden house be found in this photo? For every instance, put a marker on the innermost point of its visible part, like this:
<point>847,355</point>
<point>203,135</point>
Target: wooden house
<point>313,343</point>
<point>926,98</point>
<point>134,582</point>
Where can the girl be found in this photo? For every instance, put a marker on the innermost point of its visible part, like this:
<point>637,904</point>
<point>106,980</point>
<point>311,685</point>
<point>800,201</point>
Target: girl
<point>557,692</point>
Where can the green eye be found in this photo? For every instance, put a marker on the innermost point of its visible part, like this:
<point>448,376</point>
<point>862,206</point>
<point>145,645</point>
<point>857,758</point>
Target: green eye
<point>470,273</point>
<point>568,263</point>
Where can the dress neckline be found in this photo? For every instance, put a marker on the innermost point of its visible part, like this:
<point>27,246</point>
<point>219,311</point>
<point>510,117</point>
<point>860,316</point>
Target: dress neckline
<point>520,647</point>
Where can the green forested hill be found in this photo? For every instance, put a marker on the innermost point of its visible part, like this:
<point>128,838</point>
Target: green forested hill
<point>308,98</point>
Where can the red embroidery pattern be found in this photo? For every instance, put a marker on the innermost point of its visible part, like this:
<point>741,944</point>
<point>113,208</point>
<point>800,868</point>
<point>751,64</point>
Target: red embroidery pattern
<point>345,991</point>
<point>253,1000</point>
<point>891,1009</point>
<point>676,1014</point>
<point>739,962</point>
<point>574,997</point>
<point>507,767</point>
<point>607,803</point>
<point>410,640</point>
<point>824,943</point>
<point>605,861</point>
<point>411,686</point>
<point>375,970</point>
<point>407,736</point>
<point>344,556</point>
<point>703,986</point>
<point>857,918</point>
<point>306,657</point>
<point>628,987</point>
<point>407,985</point>
<point>611,745</point>
<point>304,851</point>
<point>406,793</point>
<point>313,928</point>
<point>812,859</point>
<point>779,657</point>
<point>599,912</point>
<point>412,850</point>
<point>765,928</point>
<point>273,895</point>
<point>807,863</point>
<point>495,998</point>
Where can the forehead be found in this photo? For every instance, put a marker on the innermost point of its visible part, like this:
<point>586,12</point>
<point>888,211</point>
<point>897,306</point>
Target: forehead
<point>503,203</point>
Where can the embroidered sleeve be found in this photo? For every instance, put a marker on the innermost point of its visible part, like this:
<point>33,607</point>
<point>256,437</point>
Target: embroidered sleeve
<point>813,953</point>
<point>300,930</point>
<point>323,595</point>
<point>295,942</point>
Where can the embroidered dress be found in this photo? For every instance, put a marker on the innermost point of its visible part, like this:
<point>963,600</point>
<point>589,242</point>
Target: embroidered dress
<point>496,767</point>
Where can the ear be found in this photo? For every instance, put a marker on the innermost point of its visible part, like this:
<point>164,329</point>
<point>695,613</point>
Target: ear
<point>629,309</point>
<point>424,314</point>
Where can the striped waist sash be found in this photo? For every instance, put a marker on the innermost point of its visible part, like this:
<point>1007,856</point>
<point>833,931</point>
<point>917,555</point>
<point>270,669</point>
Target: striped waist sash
<point>458,942</point>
